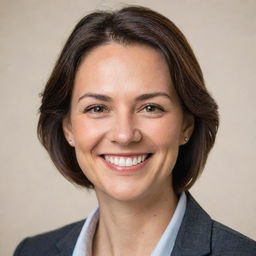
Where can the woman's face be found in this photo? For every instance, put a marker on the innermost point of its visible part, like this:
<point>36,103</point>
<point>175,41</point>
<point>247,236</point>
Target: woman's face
<point>126,122</point>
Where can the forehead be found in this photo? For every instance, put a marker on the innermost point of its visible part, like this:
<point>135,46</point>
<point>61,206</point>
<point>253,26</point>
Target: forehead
<point>115,68</point>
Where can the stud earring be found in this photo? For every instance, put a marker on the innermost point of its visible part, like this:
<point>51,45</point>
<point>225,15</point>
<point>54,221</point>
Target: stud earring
<point>186,139</point>
<point>70,142</point>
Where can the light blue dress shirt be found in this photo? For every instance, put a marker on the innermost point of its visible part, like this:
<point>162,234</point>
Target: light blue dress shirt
<point>164,247</point>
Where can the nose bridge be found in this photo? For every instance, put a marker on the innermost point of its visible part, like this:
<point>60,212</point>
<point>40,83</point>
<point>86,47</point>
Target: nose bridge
<point>124,130</point>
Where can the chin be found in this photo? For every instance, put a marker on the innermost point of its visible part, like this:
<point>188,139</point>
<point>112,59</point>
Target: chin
<point>122,192</point>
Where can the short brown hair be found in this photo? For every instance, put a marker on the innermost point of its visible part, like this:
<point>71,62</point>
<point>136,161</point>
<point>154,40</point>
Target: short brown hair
<point>133,24</point>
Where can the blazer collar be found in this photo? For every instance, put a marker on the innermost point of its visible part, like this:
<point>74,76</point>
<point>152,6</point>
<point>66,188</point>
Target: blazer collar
<point>194,237</point>
<point>67,243</point>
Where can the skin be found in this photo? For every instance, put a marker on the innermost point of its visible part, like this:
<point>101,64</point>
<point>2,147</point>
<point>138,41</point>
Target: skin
<point>135,208</point>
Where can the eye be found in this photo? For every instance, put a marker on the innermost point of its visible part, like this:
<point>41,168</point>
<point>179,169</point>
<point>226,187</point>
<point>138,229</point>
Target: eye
<point>94,109</point>
<point>153,108</point>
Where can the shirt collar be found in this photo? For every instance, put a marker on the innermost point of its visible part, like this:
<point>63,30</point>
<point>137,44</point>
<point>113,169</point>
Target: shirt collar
<point>165,245</point>
<point>167,240</point>
<point>83,245</point>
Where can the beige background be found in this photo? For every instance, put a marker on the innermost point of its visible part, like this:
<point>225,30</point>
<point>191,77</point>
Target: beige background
<point>35,198</point>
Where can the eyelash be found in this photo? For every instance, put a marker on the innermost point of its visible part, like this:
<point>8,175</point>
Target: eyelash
<point>154,106</point>
<point>93,107</point>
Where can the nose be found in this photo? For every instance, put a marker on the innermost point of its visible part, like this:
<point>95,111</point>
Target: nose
<point>124,131</point>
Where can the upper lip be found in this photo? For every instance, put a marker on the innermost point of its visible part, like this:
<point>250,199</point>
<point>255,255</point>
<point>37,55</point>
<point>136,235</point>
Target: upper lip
<point>125,154</point>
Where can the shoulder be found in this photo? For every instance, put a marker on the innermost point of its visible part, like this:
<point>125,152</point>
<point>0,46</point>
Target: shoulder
<point>199,234</point>
<point>49,243</point>
<point>226,241</point>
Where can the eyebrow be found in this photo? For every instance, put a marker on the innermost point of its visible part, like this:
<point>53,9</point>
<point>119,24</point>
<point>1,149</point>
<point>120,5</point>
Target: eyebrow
<point>95,96</point>
<point>142,97</point>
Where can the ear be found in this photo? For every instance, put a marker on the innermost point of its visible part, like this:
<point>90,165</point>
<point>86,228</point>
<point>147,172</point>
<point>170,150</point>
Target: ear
<point>187,128</point>
<point>67,130</point>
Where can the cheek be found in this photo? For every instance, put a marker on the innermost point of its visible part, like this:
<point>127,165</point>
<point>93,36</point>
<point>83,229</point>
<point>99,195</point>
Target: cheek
<point>86,134</point>
<point>165,133</point>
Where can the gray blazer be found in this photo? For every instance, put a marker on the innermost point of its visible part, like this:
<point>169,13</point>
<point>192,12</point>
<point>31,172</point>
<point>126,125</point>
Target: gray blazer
<point>198,235</point>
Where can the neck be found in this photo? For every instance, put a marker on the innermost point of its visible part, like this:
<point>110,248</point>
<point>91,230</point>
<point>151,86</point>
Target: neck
<point>126,227</point>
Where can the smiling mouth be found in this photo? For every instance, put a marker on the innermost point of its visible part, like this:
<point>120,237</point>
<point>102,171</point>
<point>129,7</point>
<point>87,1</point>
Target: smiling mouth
<point>126,161</point>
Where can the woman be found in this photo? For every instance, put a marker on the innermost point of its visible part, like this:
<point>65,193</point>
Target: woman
<point>126,113</point>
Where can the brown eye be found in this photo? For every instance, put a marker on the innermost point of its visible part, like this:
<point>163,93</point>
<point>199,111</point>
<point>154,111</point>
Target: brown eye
<point>150,108</point>
<point>153,108</point>
<point>95,109</point>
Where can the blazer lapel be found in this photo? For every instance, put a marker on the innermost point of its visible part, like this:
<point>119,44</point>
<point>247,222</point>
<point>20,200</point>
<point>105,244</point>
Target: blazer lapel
<point>66,245</point>
<point>194,237</point>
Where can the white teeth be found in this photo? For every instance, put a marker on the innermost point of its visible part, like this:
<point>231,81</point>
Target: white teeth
<point>134,161</point>
<point>121,161</point>
<point>128,162</point>
<point>116,161</point>
<point>125,161</point>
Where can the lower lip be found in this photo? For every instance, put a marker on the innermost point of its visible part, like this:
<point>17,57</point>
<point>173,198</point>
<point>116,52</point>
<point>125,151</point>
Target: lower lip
<point>126,169</point>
